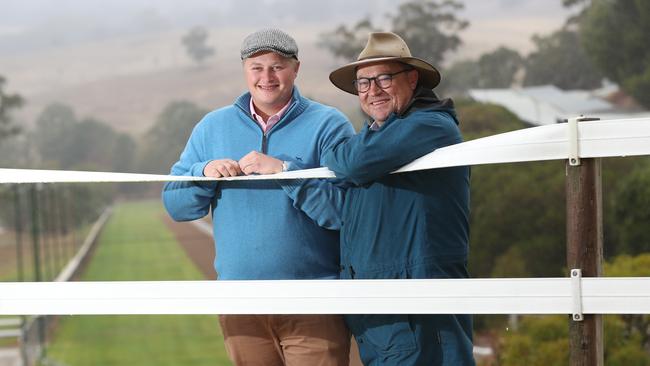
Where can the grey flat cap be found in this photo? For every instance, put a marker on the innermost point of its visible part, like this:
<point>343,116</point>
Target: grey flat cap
<point>270,39</point>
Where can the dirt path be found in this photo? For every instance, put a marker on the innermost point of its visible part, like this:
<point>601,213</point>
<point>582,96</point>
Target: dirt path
<point>199,246</point>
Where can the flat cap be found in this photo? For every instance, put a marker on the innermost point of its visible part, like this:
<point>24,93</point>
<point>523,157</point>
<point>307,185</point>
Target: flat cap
<point>269,39</point>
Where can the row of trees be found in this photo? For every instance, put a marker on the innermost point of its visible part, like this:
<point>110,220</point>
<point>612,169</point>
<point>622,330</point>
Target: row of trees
<point>64,142</point>
<point>606,39</point>
<point>60,139</point>
<point>8,102</point>
<point>518,216</point>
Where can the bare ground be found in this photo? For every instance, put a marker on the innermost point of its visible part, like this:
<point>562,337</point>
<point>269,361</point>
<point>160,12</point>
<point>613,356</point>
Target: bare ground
<point>198,245</point>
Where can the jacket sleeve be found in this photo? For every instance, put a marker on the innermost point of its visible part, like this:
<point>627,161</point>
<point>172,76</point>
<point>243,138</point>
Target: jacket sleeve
<point>185,201</point>
<point>321,199</point>
<point>371,155</point>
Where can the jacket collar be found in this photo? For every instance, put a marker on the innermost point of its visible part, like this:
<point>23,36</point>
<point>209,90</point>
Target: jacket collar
<point>424,99</point>
<point>297,105</point>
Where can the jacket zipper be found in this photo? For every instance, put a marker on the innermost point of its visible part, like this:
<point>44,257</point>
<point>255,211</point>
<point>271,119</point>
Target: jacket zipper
<point>264,147</point>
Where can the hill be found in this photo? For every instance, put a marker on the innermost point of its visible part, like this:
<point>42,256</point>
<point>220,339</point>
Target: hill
<point>126,82</point>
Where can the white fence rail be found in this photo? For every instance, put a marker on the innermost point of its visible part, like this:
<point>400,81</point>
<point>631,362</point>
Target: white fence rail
<point>451,296</point>
<point>594,139</point>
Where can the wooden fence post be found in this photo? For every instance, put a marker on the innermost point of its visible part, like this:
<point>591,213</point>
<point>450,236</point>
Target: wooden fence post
<point>585,252</point>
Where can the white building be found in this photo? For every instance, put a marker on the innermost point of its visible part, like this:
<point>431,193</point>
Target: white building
<point>547,104</point>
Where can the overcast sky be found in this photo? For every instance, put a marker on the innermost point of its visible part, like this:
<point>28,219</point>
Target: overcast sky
<point>29,24</point>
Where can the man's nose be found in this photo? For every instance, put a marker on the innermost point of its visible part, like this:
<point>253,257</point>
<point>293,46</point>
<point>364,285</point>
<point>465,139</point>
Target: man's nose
<point>374,88</point>
<point>268,74</point>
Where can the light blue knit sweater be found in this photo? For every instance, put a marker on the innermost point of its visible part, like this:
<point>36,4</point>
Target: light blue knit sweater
<point>258,233</point>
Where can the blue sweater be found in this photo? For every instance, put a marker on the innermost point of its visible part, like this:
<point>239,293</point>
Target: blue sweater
<point>258,233</point>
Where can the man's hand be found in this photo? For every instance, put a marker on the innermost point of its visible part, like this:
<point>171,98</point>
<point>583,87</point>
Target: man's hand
<point>258,163</point>
<point>222,168</point>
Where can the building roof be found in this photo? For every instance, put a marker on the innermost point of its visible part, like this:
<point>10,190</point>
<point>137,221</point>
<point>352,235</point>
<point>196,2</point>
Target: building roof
<point>547,104</point>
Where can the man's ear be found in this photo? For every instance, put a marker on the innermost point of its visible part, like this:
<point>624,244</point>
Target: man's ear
<point>413,76</point>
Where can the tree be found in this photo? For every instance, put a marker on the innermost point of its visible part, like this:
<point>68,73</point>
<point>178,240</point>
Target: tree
<point>459,78</point>
<point>482,119</point>
<point>539,341</point>
<point>636,326</point>
<point>7,103</point>
<point>65,143</point>
<point>560,59</point>
<point>499,68</point>
<point>53,132</point>
<point>164,142</point>
<point>544,340</point>
<point>345,43</point>
<point>195,46</point>
<point>513,205</point>
<point>428,27</point>
<point>631,210</point>
<point>616,34</point>
<point>581,5</point>
<point>123,154</point>
<point>496,69</point>
<point>91,144</point>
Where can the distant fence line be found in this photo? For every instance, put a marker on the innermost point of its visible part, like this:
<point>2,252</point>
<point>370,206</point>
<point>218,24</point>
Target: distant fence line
<point>53,244</point>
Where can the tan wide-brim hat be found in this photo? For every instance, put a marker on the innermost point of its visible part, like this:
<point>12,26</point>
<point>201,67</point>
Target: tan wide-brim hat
<point>384,47</point>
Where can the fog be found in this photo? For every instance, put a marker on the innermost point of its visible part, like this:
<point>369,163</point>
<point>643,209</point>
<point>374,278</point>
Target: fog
<point>32,24</point>
<point>122,61</point>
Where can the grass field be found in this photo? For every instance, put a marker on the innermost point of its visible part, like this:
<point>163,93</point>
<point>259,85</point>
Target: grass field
<point>135,245</point>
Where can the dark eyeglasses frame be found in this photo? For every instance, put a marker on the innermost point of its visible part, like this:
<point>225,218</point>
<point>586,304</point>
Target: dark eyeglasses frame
<point>385,79</point>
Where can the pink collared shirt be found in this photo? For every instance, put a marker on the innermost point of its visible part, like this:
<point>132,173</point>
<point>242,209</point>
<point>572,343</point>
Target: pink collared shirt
<point>266,125</point>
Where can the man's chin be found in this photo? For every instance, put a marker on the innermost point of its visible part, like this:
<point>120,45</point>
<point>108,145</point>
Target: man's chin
<point>267,99</point>
<point>378,116</point>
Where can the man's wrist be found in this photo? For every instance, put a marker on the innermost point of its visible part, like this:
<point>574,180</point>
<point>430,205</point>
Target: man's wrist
<point>285,166</point>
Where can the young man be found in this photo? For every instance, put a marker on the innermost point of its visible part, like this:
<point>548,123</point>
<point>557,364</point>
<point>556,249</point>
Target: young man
<point>408,225</point>
<point>258,233</point>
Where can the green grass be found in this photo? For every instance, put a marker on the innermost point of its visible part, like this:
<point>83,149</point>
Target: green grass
<point>136,245</point>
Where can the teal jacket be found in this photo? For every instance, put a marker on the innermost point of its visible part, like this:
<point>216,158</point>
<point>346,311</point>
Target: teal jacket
<point>258,233</point>
<point>395,225</point>
<point>399,226</point>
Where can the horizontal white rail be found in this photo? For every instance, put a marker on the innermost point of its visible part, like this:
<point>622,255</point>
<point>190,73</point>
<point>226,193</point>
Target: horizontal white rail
<point>10,322</point>
<point>610,138</point>
<point>609,295</point>
<point>10,333</point>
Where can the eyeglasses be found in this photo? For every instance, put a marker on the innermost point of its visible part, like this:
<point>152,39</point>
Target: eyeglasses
<point>383,81</point>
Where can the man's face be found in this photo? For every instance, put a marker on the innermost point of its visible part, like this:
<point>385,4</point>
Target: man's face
<point>379,103</point>
<point>270,78</point>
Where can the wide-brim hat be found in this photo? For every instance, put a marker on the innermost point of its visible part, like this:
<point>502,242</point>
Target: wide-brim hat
<point>384,47</point>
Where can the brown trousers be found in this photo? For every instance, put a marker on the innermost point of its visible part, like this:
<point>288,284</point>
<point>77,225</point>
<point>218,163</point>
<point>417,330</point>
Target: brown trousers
<point>292,340</point>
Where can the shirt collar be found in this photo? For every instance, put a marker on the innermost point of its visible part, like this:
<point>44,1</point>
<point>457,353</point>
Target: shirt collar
<point>272,120</point>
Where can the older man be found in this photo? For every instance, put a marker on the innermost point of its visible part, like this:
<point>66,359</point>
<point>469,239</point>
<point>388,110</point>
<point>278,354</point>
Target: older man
<point>258,232</point>
<point>408,225</point>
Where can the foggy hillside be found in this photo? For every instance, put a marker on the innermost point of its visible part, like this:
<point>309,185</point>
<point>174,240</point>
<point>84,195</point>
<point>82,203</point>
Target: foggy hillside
<point>122,61</point>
